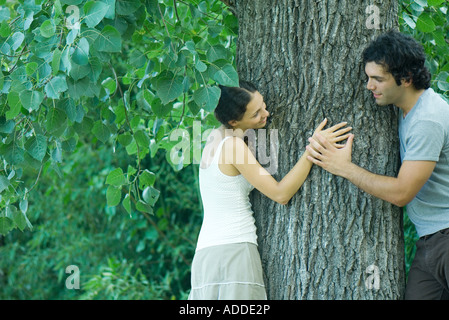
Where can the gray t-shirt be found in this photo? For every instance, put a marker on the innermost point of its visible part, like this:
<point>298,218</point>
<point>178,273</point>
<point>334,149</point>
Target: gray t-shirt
<point>424,136</point>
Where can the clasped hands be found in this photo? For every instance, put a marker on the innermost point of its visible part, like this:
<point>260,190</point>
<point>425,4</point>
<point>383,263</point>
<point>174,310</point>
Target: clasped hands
<point>325,150</point>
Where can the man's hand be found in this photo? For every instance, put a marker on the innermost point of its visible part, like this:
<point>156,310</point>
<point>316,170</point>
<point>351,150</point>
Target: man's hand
<point>327,156</point>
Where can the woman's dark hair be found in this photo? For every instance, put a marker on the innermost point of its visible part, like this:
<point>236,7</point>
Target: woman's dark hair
<point>402,56</point>
<point>233,102</point>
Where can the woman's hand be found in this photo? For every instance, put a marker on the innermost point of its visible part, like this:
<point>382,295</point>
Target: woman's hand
<point>333,134</point>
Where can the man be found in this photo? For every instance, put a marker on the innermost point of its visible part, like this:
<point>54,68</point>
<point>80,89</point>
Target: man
<point>394,64</point>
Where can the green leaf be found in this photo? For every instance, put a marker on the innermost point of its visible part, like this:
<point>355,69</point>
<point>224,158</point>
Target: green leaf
<point>17,216</point>
<point>109,84</point>
<point>168,89</point>
<point>23,205</point>
<point>78,89</point>
<point>55,86</point>
<point>95,68</point>
<point>6,126</point>
<point>190,46</point>
<point>425,23</point>
<point>127,203</point>
<point>435,3</point>
<point>12,153</point>
<point>6,225</point>
<point>2,80</point>
<point>101,131</point>
<point>142,138</point>
<point>31,100</point>
<point>37,147</point>
<point>48,28</point>
<point>160,109</point>
<point>85,126</point>
<point>207,97</point>
<point>56,119</point>
<point>109,40</point>
<point>127,7</point>
<point>442,81</point>
<point>227,76</point>
<point>200,66</point>
<point>111,11</point>
<point>16,40</point>
<point>146,179</point>
<point>144,207</point>
<point>56,61</point>
<point>216,52</point>
<point>81,54</point>
<point>21,217</point>
<point>125,139</point>
<point>78,72</point>
<point>4,183</point>
<point>113,196</point>
<point>5,30</point>
<point>150,195</point>
<point>116,178</point>
<point>31,68</point>
<point>137,59</point>
<point>94,12</point>
<point>56,153</point>
<point>408,20</point>
<point>14,105</point>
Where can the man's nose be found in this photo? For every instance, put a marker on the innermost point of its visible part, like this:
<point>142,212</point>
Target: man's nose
<point>369,85</point>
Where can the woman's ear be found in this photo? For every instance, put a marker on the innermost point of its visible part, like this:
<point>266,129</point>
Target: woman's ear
<point>232,123</point>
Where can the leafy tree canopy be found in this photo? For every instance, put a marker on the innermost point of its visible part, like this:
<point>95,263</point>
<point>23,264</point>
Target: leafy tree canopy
<point>118,72</point>
<point>428,22</point>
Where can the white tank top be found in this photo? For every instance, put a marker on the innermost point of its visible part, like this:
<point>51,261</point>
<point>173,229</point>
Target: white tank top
<point>228,217</point>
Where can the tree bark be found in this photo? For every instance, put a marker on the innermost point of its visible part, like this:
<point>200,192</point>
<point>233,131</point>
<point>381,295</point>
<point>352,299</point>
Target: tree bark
<point>332,240</point>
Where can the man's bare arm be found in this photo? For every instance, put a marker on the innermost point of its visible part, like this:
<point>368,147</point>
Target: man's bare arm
<point>398,190</point>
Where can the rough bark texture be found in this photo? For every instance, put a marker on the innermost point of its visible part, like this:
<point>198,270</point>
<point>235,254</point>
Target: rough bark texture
<point>305,57</point>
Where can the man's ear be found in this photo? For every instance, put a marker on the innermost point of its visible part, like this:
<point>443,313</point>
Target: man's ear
<point>407,82</point>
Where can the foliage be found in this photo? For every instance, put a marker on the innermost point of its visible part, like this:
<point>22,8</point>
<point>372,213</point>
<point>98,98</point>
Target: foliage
<point>94,96</point>
<point>428,22</point>
<point>127,72</point>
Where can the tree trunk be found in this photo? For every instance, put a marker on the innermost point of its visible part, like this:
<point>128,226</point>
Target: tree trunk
<point>332,241</point>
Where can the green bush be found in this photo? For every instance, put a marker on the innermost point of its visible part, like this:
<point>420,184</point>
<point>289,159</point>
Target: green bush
<point>119,256</point>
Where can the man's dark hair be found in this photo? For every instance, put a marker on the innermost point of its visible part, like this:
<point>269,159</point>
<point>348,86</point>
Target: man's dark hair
<point>402,56</point>
<point>233,102</point>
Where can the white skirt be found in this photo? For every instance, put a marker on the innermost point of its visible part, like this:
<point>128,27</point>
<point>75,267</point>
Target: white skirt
<point>228,272</point>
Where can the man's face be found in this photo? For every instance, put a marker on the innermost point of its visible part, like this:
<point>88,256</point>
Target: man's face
<point>382,84</point>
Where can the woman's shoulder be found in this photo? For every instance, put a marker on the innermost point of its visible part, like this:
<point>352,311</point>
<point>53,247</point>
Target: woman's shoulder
<point>233,149</point>
<point>233,142</point>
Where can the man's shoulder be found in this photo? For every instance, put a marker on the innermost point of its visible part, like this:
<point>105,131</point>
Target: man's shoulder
<point>433,108</point>
<point>436,100</point>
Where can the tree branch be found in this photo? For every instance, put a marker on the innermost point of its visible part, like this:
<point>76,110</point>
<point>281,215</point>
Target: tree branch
<point>231,4</point>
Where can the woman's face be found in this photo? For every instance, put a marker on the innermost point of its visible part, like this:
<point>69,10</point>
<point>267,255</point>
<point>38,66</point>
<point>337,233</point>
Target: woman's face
<point>255,116</point>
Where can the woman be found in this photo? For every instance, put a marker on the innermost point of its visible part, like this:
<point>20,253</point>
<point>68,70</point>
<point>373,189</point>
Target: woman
<point>227,263</point>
